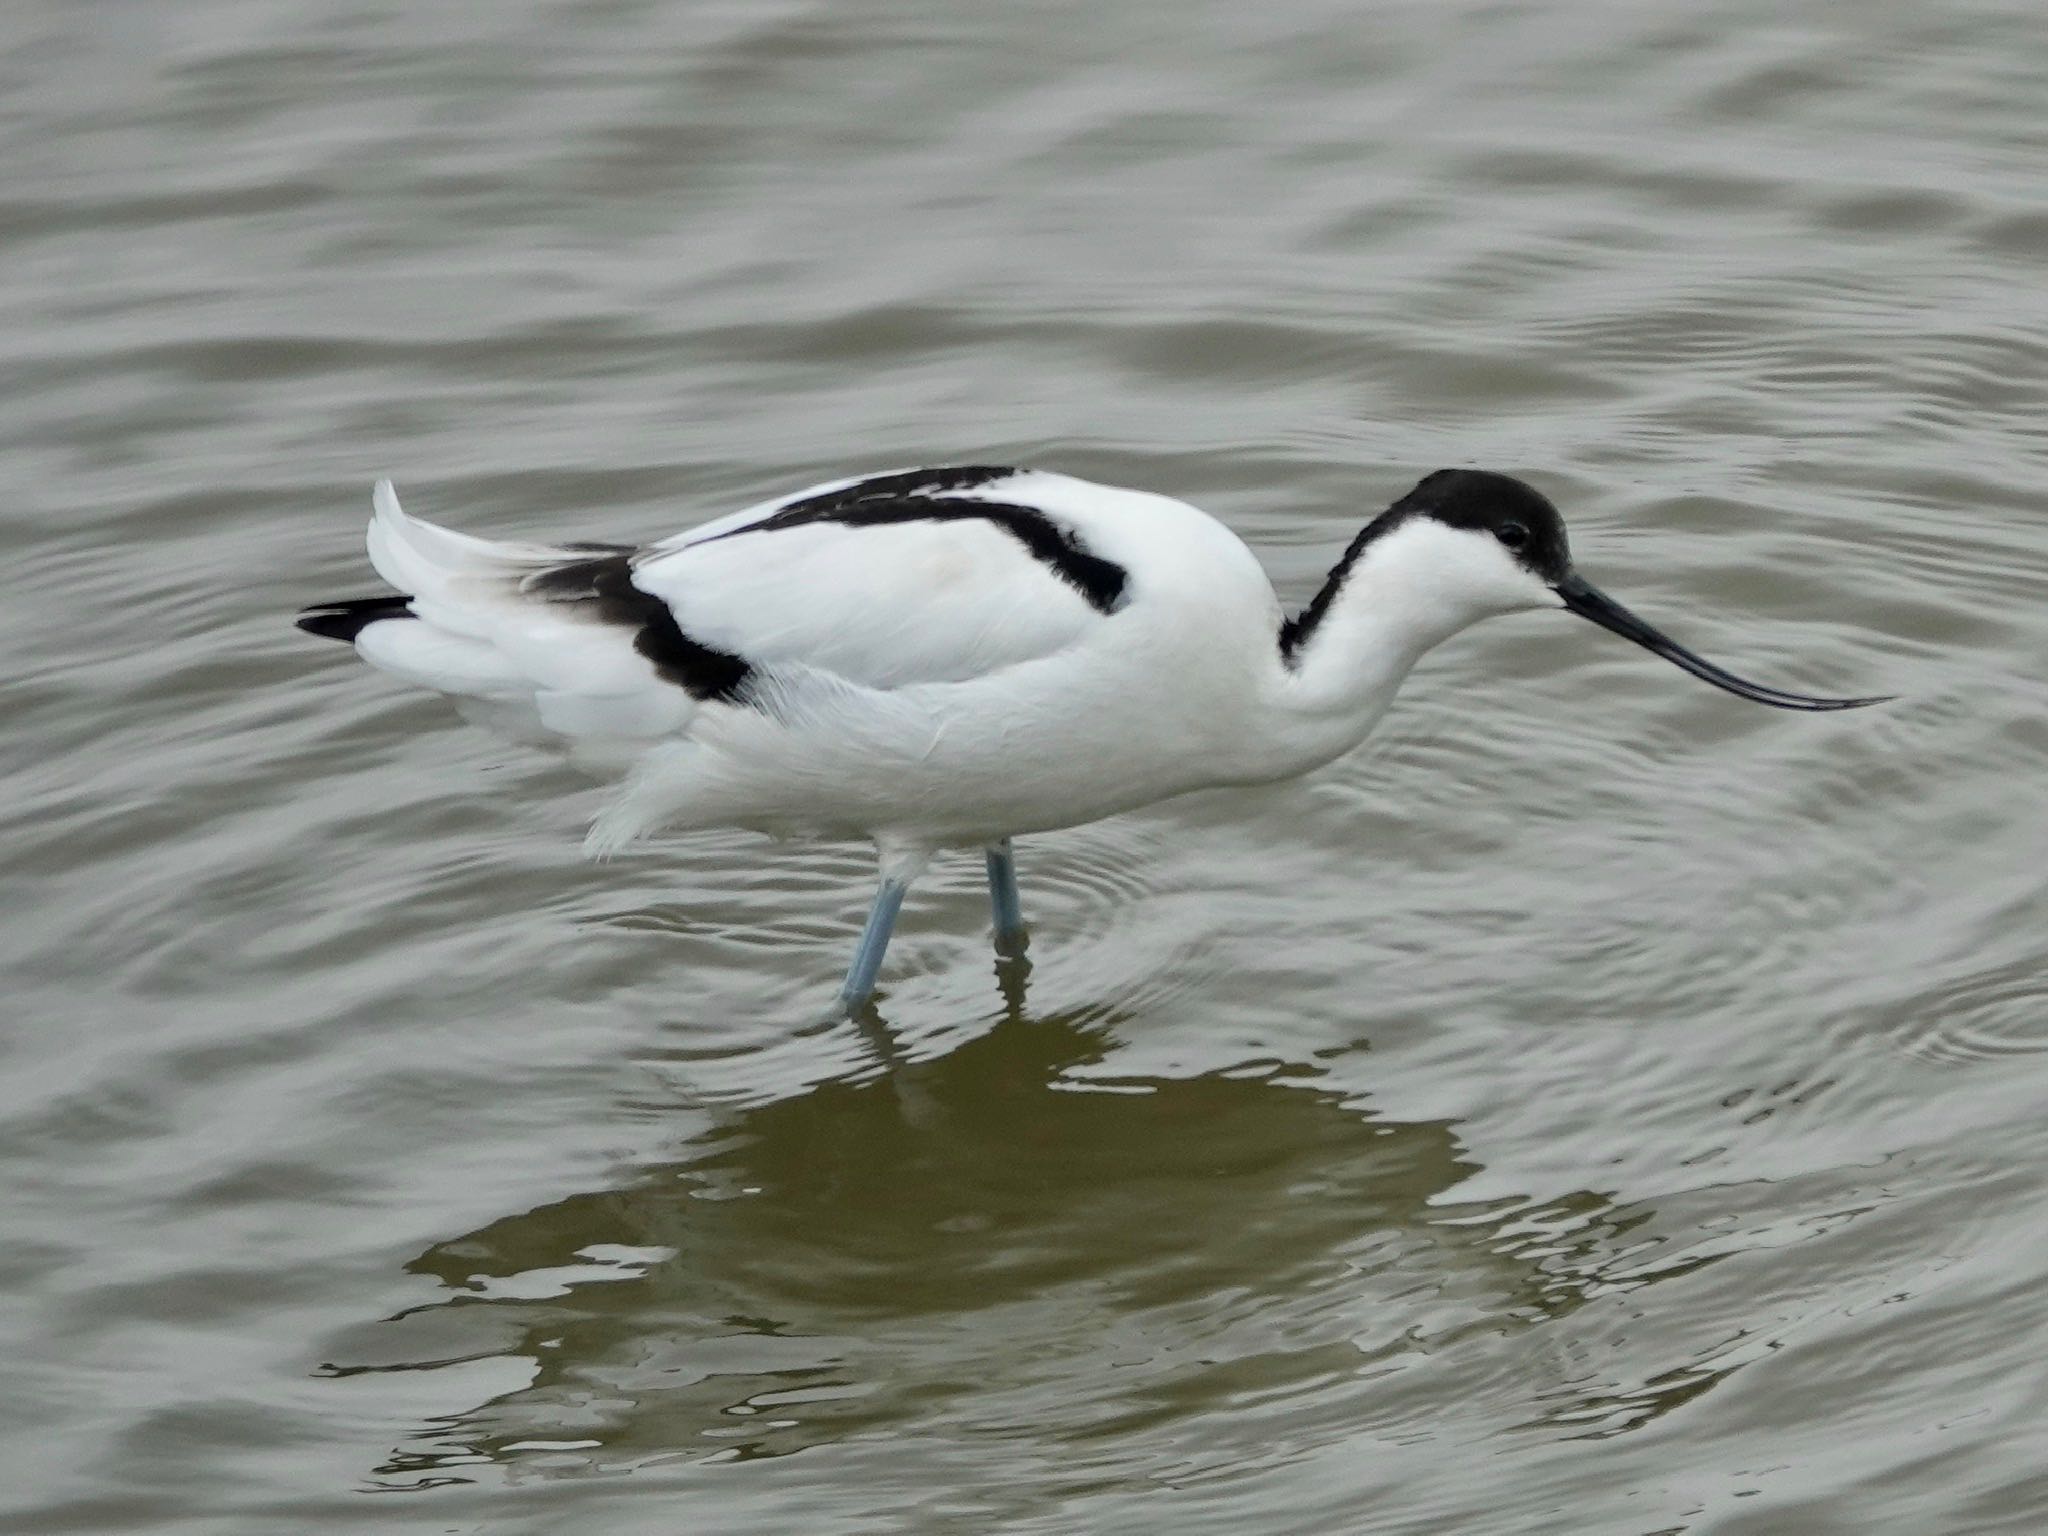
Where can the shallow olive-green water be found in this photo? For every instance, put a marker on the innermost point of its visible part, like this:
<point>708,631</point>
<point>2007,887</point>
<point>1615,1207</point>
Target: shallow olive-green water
<point>1598,1105</point>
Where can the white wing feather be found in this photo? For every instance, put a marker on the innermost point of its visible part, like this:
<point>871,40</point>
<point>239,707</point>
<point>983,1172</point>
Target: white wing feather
<point>882,606</point>
<point>877,607</point>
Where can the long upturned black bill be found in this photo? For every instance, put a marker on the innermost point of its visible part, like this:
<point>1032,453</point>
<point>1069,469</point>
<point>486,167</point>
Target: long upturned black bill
<point>1589,602</point>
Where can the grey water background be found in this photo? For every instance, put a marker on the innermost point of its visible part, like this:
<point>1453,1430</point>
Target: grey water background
<point>1599,1105</point>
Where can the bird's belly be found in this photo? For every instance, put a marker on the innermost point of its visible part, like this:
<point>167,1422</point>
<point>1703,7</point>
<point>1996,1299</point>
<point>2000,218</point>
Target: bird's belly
<point>955,764</point>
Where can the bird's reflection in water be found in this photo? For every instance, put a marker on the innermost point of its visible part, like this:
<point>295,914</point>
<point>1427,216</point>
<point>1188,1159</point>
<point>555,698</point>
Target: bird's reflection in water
<point>967,1244</point>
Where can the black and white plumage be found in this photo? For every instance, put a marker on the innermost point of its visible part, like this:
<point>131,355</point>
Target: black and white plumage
<point>950,657</point>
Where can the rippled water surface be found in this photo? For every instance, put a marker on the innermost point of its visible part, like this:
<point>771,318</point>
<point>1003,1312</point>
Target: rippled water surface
<point>1598,1105</point>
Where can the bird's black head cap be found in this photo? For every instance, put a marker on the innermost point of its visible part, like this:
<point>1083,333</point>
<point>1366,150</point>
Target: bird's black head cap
<point>1509,510</point>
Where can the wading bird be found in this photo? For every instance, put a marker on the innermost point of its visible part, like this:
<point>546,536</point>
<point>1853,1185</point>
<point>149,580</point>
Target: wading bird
<point>938,658</point>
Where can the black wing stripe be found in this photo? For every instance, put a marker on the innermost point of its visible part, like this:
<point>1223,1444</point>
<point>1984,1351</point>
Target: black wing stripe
<point>605,583</point>
<point>921,496</point>
<point>904,485</point>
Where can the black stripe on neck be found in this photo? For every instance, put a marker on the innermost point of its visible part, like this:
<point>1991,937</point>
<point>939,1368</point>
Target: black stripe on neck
<point>1299,630</point>
<point>605,583</point>
<point>920,496</point>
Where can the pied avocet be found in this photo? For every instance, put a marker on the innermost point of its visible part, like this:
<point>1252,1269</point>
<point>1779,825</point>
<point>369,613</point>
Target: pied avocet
<point>938,658</point>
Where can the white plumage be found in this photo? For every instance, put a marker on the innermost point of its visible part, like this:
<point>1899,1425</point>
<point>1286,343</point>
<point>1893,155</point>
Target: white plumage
<point>946,657</point>
<point>898,670</point>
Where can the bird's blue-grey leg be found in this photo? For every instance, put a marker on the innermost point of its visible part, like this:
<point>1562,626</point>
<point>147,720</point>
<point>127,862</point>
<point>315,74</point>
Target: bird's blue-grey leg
<point>899,868</point>
<point>1003,899</point>
<point>874,943</point>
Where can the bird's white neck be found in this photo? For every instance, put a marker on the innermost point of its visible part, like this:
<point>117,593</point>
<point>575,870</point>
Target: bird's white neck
<point>1339,664</point>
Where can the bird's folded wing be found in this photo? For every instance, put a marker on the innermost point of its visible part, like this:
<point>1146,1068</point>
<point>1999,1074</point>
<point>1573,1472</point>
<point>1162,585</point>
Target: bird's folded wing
<point>883,583</point>
<point>883,604</point>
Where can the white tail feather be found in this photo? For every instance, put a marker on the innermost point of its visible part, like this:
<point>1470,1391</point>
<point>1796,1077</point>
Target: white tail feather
<point>546,668</point>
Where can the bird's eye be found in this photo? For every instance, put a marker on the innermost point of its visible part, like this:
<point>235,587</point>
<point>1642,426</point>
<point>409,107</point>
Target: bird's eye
<point>1514,535</point>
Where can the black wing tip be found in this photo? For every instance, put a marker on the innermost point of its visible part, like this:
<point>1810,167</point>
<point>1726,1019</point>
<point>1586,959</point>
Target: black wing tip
<point>348,618</point>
